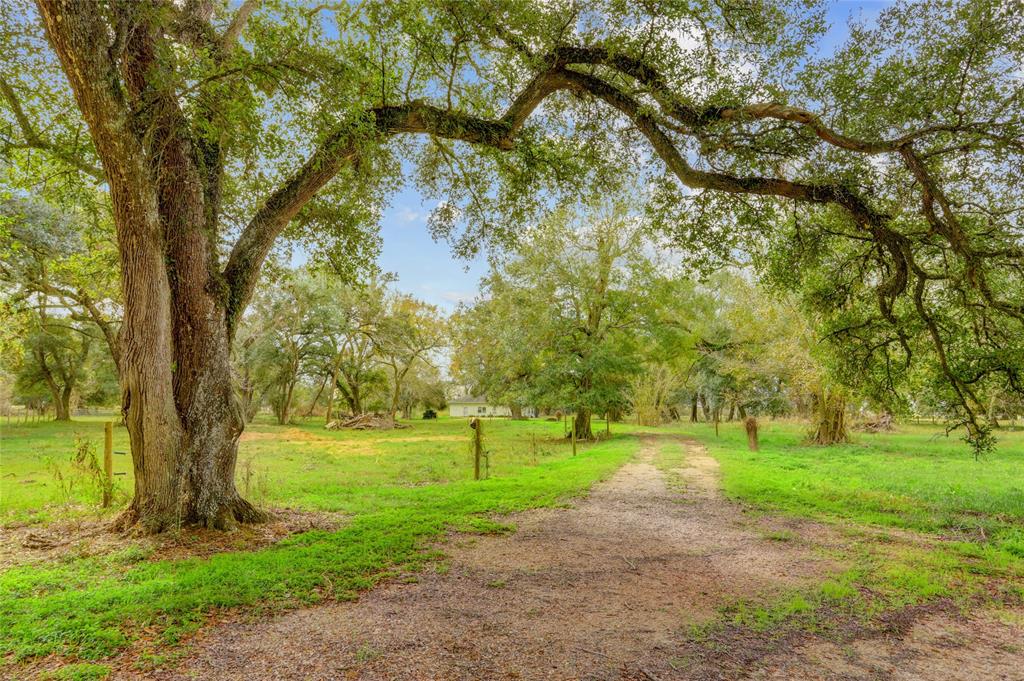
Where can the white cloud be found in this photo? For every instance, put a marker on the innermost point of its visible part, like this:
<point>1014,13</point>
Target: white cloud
<point>408,215</point>
<point>458,296</point>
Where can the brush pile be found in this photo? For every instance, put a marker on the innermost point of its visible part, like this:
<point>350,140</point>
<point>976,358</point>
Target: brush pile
<point>365,422</point>
<point>883,424</point>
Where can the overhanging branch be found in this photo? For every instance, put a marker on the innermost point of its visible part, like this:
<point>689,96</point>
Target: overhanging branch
<point>32,140</point>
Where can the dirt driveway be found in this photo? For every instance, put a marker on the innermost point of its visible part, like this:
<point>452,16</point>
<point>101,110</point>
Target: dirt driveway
<point>605,590</point>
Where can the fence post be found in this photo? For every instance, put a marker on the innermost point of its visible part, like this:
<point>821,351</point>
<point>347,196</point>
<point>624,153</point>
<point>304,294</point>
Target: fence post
<point>477,427</point>
<point>750,423</point>
<point>574,434</point>
<point>108,461</point>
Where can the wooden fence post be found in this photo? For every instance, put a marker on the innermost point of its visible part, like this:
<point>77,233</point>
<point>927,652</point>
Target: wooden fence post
<point>574,434</point>
<point>108,461</point>
<point>750,423</point>
<point>477,426</point>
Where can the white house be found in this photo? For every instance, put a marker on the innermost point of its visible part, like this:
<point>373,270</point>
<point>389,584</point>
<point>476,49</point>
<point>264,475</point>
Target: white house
<point>478,406</point>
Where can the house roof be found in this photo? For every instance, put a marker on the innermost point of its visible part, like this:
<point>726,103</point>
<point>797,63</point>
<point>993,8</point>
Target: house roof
<point>468,399</point>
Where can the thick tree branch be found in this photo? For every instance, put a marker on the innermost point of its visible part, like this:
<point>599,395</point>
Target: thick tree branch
<point>696,118</point>
<point>78,33</point>
<point>698,179</point>
<point>341,148</point>
<point>891,248</point>
<point>237,25</point>
<point>258,236</point>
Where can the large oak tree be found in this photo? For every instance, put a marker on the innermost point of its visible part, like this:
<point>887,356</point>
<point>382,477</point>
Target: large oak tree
<point>219,130</point>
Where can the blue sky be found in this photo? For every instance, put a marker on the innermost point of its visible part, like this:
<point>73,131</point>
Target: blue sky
<point>427,269</point>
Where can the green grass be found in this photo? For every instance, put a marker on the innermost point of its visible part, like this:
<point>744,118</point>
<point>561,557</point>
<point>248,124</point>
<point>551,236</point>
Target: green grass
<point>33,454</point>
<point>401,494</point>
<point>913,478</point>
<point>970,514</point>
<point>302,466</point>
<point>402,489</point>
<point>81,671</point>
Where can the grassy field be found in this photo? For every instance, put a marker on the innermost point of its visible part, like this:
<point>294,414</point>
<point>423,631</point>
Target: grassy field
<point>399,490</point>
<point>302,466</point>
<point>914,478</point>
<point>967,516</point>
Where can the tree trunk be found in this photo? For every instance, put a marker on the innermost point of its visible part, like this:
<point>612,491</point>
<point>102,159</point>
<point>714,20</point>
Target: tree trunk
<point>57,393</point>
<point>583,431</point>
<point>350,392</point>
<point>357,400</point>
<point>393,412</point>
<point>284,403</point>
<point>178,399</point>
<point>517,411</point>
<point>330,395</point>
<point>61,412</point>
<point>181,412</point>
<point>184,450</point>
<point>831,419</point>
<point>693,409</point>
<point>63,405</point>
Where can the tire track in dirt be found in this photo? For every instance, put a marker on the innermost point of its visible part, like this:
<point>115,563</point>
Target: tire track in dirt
<point>575,593</point>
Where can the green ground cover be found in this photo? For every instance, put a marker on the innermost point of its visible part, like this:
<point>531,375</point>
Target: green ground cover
<point>402,488</point>
<point>302,466</point>
<point>914,478</point>
<point>970,514</point>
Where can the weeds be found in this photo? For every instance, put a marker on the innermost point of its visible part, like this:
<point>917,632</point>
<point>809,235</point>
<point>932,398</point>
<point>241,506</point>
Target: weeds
<point>83,477</point>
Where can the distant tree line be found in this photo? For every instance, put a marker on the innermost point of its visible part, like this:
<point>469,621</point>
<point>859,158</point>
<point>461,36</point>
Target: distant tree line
<point>312,344</point>
<point>590,315</point>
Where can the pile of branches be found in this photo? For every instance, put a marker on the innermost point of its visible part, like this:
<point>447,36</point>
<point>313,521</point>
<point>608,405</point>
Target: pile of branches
<point>883,424</point>
<point>365,422</point>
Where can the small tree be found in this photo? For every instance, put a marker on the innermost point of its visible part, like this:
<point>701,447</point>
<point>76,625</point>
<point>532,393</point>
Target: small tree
<point>404,337</point>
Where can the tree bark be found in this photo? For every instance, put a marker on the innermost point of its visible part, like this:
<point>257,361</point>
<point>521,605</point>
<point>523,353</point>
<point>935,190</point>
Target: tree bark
<point>830,428</point>
<point>178,400</point>
<point>693,409</point>
<point>583,431</point>
<point>705,408</point>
